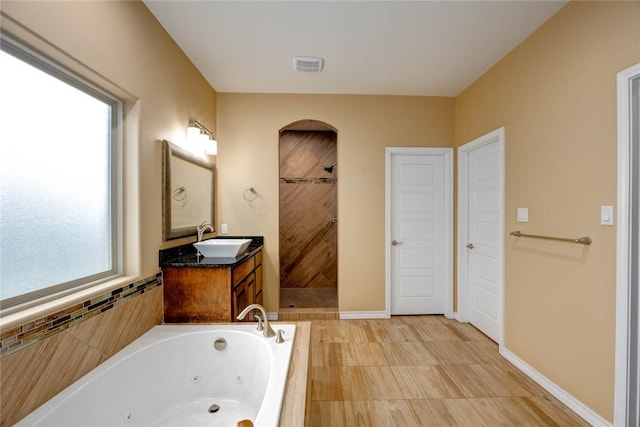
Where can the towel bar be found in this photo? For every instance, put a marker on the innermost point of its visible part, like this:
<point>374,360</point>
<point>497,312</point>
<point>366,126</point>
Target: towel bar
<point>582,240</point>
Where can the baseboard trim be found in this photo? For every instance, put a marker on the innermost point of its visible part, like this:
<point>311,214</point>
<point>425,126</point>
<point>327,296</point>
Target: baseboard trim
<point>563,396</point>
<point>345,315</point>
<point>272,315</point>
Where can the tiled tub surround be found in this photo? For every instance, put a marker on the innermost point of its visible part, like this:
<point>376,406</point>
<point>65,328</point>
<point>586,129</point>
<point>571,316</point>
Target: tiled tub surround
<point>48,359</point>
<point>172,375</point>
<point>296,408</point>
<point>295,411</point>
<point>29,333</point>
<point>58,357</point>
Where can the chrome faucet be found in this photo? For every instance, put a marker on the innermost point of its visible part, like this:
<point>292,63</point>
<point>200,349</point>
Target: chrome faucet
<point>268,331</point>
<point>202,228</point>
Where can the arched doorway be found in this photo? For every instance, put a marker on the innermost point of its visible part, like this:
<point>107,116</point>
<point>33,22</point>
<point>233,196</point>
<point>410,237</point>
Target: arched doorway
<point>308,216</point>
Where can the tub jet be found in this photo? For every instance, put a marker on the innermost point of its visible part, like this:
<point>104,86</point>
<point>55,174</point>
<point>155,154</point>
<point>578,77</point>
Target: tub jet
<point>214,408</point>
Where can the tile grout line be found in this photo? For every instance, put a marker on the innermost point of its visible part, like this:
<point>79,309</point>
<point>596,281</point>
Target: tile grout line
<point>37,330</point>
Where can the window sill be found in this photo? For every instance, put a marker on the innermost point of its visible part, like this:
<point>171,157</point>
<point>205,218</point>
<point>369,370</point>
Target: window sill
<point>18,315</point>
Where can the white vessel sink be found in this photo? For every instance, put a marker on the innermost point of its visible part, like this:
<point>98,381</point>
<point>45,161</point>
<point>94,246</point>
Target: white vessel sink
<point>223,248</point>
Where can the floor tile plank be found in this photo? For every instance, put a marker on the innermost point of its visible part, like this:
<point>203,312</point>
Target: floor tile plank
<point>557,411</point>
<point>369,383</point>
<point>379,413</point>
<point>425,382</point>
<point>447,412</point>
<point>326,384</point>
<point>421,371</point>
<point>323,355</point>
<point>408,354</point>
<point>360,354</point>
<point>327,414</point>
<point>436,333</point>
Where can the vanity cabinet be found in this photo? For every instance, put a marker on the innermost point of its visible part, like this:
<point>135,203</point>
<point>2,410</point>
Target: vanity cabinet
<point>247,285</point>
<point>215,293</point>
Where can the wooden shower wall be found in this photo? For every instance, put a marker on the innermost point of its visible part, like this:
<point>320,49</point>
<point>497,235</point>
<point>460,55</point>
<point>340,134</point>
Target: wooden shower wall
<point>308,237</point>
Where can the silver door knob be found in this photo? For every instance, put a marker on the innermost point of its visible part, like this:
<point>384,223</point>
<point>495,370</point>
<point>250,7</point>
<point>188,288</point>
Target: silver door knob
<point>395,243</point>
<point>470,246</point>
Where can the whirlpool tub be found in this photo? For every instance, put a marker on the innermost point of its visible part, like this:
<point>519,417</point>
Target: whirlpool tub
<point>180,375</point>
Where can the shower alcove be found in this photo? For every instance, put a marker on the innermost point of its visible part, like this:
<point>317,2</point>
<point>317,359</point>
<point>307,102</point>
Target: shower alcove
<point>308,216</point>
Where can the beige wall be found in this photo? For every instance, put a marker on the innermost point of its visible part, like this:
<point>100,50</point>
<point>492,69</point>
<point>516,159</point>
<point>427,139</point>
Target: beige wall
<point>122,46</point>
<point>122,42</point>
<point>556,97</point>
<point>248,157</point>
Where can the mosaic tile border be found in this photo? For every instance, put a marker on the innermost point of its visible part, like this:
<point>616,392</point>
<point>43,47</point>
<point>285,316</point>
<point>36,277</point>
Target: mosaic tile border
<point>34,331</point>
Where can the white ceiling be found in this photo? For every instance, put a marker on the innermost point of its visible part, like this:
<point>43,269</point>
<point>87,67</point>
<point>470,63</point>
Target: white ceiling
<point>432,48</point>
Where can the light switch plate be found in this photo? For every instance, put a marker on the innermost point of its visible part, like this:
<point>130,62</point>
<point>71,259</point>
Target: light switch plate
<point>606,215</point>
<point>523,214</point>
<point>223,229</point>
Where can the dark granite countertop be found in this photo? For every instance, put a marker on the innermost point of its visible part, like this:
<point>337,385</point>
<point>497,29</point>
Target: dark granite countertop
<point>187,255</point>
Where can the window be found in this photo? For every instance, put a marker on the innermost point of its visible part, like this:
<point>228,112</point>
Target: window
<point>59,178</point>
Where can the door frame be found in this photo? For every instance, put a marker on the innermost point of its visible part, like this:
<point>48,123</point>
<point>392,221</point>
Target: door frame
<point>494,137</point>
<point>626,349</point>
<point>447,155</point>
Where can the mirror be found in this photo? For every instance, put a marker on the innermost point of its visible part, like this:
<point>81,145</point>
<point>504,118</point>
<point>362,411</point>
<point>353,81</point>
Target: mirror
<point>188,191</point>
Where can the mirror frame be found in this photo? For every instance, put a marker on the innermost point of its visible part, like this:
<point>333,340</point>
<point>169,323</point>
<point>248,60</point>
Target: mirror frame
<point>171,150</point>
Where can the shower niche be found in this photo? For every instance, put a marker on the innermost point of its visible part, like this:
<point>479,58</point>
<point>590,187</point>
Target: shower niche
<point>308,215</point>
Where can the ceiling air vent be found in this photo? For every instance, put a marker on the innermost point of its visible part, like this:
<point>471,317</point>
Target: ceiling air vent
<point>308,64</point>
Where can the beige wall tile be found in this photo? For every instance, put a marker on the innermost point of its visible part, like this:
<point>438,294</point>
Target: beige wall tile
<point>114,329</point>
<point>32,376</point>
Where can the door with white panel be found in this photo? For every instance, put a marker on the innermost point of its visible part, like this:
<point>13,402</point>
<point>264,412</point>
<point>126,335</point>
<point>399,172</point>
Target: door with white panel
<point>420,231</point>
<point>481,233</point>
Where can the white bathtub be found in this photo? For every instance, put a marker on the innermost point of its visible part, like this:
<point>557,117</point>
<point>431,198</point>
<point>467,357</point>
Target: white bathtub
<point>172,375</point>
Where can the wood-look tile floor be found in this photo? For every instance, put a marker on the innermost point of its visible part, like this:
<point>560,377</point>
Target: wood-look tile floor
<point>421,371</point>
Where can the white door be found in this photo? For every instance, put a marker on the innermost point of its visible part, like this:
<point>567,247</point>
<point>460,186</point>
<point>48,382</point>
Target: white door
<point>627,373</point>
<point>481,243</point>
<point>419,231</point>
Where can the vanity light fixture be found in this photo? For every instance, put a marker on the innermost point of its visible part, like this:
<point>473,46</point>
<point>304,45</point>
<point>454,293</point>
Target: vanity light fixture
<point>200,136</point>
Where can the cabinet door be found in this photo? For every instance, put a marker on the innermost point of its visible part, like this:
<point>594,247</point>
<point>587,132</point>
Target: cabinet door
<point>258,293</point>
<point>241,271</point>
<point>197,295</point>
<point>243,295</point>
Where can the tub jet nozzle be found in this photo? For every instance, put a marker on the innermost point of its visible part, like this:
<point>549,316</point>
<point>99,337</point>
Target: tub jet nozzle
<point>214,408</point>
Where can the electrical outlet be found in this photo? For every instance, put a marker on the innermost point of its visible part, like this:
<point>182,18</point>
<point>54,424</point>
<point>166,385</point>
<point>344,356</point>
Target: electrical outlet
<point>224,229</point>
